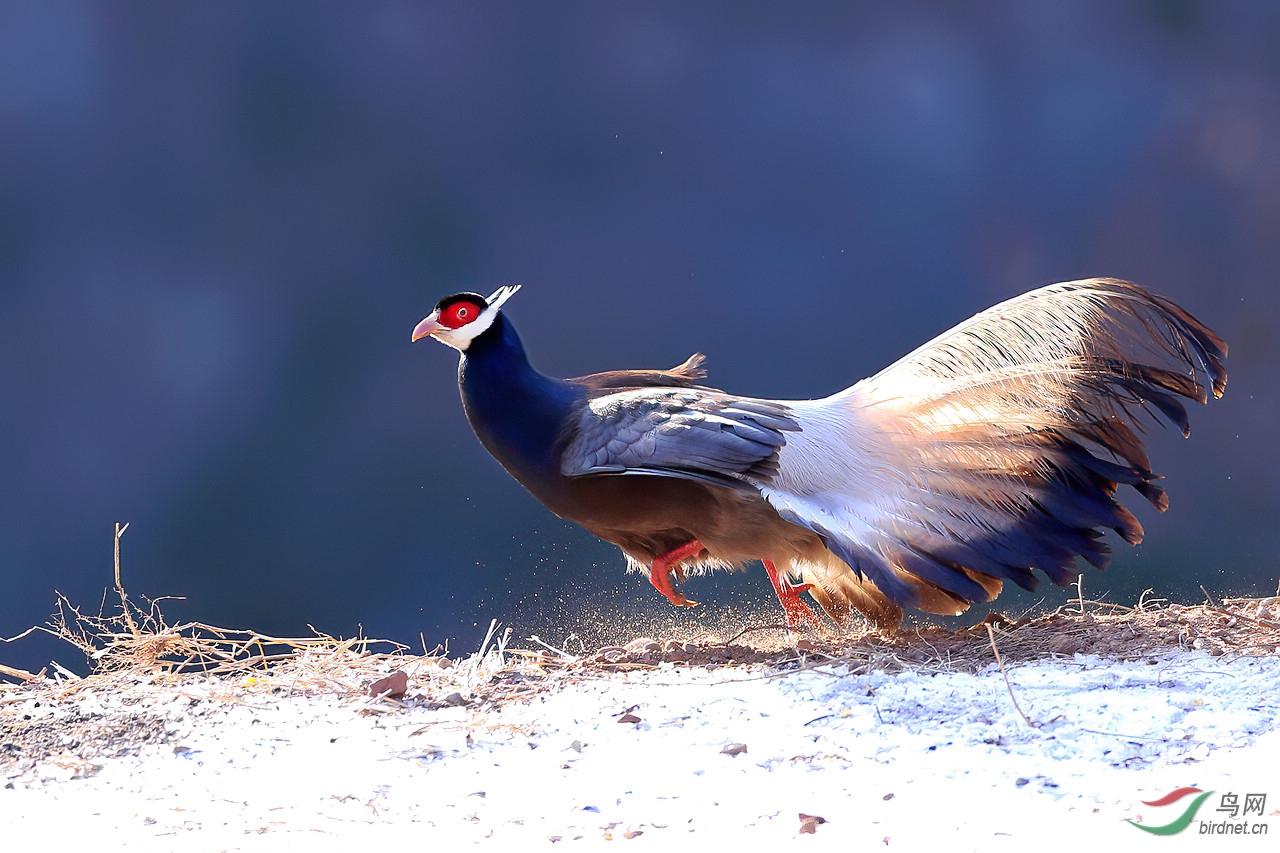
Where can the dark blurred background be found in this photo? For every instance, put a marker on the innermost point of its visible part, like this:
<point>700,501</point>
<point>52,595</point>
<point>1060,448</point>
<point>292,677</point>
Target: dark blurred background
<point>220,221</point>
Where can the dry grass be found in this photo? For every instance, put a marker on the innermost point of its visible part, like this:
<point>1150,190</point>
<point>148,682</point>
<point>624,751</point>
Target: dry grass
<point>1233,627</point>
<point>133,643</point>
<point>139,641</point>
<point>142,664</point>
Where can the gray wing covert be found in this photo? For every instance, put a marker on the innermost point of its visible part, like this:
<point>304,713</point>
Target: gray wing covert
<point>687,433</point>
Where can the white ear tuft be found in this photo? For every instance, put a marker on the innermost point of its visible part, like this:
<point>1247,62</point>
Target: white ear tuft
<point>501,295</point>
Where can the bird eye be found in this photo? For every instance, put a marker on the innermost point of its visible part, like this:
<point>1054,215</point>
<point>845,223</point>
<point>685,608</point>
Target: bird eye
<point>459,314</point>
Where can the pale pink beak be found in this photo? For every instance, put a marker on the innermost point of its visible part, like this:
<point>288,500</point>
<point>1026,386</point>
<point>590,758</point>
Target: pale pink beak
<point>429,326</point>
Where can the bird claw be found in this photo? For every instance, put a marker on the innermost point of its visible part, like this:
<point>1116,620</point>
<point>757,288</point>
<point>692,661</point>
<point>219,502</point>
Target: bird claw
<point>662,570</point>
<point>794,610</point>
<point>660,577</point>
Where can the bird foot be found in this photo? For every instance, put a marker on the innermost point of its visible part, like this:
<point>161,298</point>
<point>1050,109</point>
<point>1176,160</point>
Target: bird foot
<point>666,565</point>
<point>795,610</point>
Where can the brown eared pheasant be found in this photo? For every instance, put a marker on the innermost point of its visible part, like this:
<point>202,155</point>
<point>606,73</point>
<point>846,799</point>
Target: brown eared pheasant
<point>991,452</point>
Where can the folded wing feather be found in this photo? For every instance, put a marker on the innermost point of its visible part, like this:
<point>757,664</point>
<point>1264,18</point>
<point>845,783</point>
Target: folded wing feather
<point>697,433</point>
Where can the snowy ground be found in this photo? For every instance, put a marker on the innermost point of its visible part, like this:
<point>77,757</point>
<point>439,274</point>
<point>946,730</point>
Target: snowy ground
<point>679,757</point>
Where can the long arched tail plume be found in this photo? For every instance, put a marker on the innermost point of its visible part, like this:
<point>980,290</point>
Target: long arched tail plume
<point>994,450</point>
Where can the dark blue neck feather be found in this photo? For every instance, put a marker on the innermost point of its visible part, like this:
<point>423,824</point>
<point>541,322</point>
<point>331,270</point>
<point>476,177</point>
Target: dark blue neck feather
<point>518,414</point>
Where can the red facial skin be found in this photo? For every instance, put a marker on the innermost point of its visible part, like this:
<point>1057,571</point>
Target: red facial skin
<point>459,314</point>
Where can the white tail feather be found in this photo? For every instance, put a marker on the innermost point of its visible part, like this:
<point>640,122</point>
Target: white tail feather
<point>991,450</point>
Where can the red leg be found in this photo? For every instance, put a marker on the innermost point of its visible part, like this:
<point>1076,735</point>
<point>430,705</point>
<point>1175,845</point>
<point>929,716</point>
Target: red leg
<point>667,564</point>
<point>795,610</point>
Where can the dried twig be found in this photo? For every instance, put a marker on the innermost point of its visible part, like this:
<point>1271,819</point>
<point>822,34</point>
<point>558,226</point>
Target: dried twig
<point>561,652</point>
<point>20,674</point>
<point>992,635</point>
<point>124,599</point>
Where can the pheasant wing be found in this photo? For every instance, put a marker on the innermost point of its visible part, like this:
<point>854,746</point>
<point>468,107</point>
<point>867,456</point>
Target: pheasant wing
<point>682,432</point>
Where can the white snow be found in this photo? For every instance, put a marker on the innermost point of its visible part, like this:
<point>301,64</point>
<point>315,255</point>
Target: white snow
<point>903,761</point>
